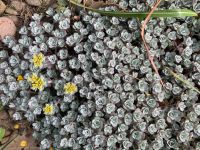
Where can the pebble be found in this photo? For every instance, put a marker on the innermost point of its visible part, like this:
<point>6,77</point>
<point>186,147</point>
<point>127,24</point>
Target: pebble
<point>11,11</point>
<point>7,27</point>
<point>2,7</point>
<point>14,18</point>
<point>39,2</point>
<point>19,6</point>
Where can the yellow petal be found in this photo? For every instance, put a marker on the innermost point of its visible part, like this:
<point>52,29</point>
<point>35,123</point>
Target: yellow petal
<point>20,77</point>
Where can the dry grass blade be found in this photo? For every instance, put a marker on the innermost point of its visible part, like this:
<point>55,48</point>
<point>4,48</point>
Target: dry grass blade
<point>145,44</point>
<point>183,80</point>
<point>4,146</point>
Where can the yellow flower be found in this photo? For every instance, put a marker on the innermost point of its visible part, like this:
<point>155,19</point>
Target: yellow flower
<point>23,143</point>
<point>48,109</point>
<point>20,77</point>
<point>70,88</point>
<point>38,60</point>
<point>36,82</point>
<point>16,126</point>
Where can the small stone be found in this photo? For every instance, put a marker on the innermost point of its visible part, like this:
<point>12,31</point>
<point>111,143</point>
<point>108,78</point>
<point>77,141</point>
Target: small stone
<point>17,5</point>
<point>2,7</point>
<point>7,27</point>
<point>39,2</point>
<point>15,19</point>
<point>11,11</point>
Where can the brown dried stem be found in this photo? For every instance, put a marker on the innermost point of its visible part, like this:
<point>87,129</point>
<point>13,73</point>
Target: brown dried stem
<point>151,58</point>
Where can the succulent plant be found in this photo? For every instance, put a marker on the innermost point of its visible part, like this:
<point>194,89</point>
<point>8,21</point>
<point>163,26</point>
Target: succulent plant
<point>87,84</point>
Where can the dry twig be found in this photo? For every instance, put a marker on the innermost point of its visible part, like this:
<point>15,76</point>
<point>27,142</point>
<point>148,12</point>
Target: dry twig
<point>145,44</point>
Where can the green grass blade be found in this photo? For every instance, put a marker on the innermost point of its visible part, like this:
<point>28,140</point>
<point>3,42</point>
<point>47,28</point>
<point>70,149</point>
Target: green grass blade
<point>158,13</point>
<point>183,80</point>
<point>2,133</point>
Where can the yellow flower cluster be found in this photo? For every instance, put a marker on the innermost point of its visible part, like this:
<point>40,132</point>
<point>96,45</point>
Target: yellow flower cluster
<point>37,82</point>
<point>48,109</point>
<point>38,60</point>
<point>70,88</point>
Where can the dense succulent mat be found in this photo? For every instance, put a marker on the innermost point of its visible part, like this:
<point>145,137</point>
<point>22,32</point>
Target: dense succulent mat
<point>84,80</point>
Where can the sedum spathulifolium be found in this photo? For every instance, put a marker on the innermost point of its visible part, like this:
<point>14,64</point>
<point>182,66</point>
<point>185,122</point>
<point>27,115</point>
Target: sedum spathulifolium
<point>88,84</point>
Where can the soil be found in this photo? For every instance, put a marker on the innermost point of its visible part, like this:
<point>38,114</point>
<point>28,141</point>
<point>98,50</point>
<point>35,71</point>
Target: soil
<point>23,133</point>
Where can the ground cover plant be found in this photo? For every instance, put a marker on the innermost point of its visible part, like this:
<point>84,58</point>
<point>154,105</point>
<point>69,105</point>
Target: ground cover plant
<point>85,81</point>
